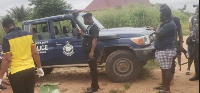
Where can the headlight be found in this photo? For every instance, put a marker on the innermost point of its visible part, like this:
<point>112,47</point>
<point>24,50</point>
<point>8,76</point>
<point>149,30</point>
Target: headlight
<point>143,40</point>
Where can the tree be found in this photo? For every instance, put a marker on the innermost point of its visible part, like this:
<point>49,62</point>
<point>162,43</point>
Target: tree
<point>45,8</point>
<point>19,13</point>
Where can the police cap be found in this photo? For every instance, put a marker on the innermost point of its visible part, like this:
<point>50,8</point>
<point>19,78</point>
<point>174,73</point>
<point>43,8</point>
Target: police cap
<point>87,15</point>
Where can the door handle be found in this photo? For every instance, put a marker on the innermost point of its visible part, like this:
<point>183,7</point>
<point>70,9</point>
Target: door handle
<point>58,44</point>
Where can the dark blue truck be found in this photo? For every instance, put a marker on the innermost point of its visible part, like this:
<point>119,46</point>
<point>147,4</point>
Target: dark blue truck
<point>123,50</point>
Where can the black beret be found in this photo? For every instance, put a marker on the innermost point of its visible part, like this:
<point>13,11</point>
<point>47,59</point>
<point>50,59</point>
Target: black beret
<point>87,15</point>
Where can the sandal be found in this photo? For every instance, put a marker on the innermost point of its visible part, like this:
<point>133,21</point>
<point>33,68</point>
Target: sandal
<point>2,87</point>
<point>188,72</point>
<point>158,88</point>
<point>162,91</point>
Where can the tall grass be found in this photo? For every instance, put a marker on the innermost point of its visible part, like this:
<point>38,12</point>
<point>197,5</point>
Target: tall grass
<point>135,15</point>
<point>2,32</point>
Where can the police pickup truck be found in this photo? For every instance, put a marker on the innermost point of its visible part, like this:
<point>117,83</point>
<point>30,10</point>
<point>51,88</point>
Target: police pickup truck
<point>123,50</point>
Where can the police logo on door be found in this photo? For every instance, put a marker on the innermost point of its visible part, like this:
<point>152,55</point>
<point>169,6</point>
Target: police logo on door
<point>68,49</point>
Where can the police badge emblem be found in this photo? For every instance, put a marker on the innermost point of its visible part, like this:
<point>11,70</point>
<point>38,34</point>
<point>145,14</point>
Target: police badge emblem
<point>68,49</point>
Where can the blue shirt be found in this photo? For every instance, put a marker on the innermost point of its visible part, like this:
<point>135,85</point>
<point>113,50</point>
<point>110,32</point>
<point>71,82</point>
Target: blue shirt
<point>167,40</point>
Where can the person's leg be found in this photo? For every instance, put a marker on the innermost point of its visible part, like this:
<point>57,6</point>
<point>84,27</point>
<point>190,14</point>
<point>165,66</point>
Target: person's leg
<point>173,70</point>
<point>94,74</point>
<point>17,83</point>
<point>196,61</point>
<point>30,80</point>
<point>190,60</point>
<point>196,76</point>
<point>167,76</point>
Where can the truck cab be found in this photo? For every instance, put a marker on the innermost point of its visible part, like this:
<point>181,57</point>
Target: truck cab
<point>123,50</point>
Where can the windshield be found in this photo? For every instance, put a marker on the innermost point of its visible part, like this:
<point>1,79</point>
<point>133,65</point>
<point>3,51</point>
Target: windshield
<point>80,19</point>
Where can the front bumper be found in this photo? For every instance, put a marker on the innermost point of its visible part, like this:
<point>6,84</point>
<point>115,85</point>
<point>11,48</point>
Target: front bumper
<point>145,54</point>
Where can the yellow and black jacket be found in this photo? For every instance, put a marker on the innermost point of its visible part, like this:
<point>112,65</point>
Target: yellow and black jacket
<point>18,43</point>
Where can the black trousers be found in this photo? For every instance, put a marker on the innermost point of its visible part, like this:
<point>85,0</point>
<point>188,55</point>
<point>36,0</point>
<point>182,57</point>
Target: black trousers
<point>93,68</point>
<point>23,81</point>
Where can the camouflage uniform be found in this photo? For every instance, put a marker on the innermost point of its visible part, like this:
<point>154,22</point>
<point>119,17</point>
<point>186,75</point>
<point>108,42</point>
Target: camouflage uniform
<point>195,45</point>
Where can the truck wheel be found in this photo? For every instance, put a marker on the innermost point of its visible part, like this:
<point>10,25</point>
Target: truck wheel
<point>47,70</point>
<point>122,66</point>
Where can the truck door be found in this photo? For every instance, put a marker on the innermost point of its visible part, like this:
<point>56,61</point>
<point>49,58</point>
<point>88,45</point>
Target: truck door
<point>42,36</point>
<point>68,49</point>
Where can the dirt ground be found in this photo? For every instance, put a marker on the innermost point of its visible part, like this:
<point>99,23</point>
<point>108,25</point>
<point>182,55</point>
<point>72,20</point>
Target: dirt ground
<point>76,80</point>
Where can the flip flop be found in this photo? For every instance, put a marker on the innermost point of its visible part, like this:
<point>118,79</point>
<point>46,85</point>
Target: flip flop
<point>158,88</point>
<point>188,72</point>
<point>2,87</point>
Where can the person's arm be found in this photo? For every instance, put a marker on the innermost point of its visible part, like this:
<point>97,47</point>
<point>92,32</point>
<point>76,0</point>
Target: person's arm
<point>81,32</point>
<point>158,33</point>
<point>94,35</point>
<point>36,58</point>
<point>5,64</point>
<point>94,44</point>
<point>6,58</point>
<point>35,55</point>
<point>190,24</point>
<point>180,34</point>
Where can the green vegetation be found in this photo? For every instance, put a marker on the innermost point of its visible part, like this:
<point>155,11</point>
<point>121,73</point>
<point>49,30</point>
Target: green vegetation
<point>49,87</point>
<point>135,15</point>
<point>116,91</point>
<point>46,8</point>
<point>127,85</point>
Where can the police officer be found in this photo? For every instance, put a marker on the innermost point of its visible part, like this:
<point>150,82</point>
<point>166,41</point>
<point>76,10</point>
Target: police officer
<point>195,44</point>
<point>90,48</point>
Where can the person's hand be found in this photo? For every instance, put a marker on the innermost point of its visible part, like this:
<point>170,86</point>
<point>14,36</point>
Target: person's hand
<point>40,72</point>
<point>79,30</point>
<point>162,23</point>
<point>91,55</point>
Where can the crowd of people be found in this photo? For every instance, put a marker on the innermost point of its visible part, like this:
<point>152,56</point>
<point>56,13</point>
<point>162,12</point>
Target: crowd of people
<point>20,52</point>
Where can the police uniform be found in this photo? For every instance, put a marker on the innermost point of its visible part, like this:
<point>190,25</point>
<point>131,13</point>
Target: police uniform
<point>91,32</point>
<point>22,67</point>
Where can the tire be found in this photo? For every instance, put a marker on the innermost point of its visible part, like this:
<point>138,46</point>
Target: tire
<point>122,66</point>
<point>47,70</point>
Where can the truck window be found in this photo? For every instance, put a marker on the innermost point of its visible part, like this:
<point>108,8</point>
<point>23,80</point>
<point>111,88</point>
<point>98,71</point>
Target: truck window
<point>63,29</point>
<point>40,31</point>
<point>80,19</point>
<point>27,27</point>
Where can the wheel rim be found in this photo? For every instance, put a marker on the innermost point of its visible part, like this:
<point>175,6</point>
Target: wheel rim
<point>123,67</point>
